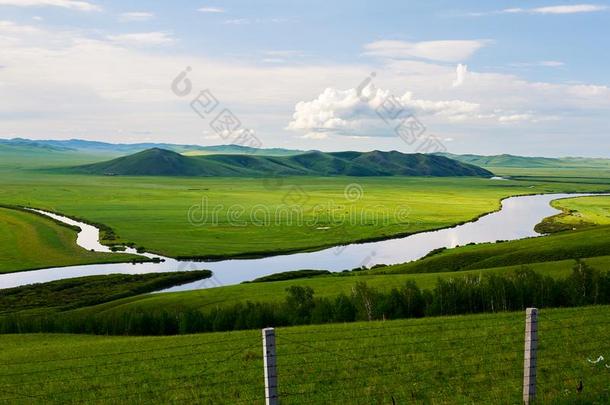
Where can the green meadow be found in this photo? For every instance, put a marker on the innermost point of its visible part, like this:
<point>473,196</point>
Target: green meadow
<point>62,295</point>
<point>464,359</point>
<point>237,216</point>
<point>584,211</point>
<point>29,241</point>
<point>460,359</point>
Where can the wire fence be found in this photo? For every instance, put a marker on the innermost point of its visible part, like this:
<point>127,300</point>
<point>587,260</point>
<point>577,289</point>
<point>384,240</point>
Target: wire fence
<point>463,359</point>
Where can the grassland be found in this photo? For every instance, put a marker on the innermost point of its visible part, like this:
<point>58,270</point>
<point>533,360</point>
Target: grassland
<point>153,212</point>
<point>578,213</point>
<point>78,292</point>
<point>162,162</point>
<point>29,241</point>
<point>561,246</point>
<point>551,255</point>
<point>323,286</point>
<point>591,210</point>
<point>466,359</point>
<point>587,175</point>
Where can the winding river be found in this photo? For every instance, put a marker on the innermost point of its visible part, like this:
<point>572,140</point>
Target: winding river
<point>516,220</point>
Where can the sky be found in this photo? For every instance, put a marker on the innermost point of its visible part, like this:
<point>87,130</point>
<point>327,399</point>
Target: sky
<point>519,77</point>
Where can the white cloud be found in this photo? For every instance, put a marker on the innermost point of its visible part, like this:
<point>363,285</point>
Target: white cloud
<point>211,10</point>
<point>69,4</point>
<point>560,9</point>
<point>444,51</point>
<point>315,135</point>
<point>364,113</point>
<point>551,63</point>
<point>515,118</point>
<point>460,72</point>
<point>10,27</point>
<point>66,84</point>
<point>143,38</point>
<point>136,16</point>
<point>557,9</point>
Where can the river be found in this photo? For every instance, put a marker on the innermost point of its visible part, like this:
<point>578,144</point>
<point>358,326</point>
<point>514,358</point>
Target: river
<point>516,220</point>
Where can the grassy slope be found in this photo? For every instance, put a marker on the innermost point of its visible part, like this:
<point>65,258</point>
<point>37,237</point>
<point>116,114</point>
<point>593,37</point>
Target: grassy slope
<point>26,158</point>
<point>541,254</point>
<point>29,241</point>
<point>466,359</point>
<point>590,210</point>
<point>153,211</point>
<point>577,213</point>
<point>161,162</point>
<point>72,293</point>
<point>512,161</point>
<point>325,286</point>
<point>566,245</point>
<point>592,175</point>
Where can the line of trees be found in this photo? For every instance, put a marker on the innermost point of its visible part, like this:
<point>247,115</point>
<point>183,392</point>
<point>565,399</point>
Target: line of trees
<point>460,295</point>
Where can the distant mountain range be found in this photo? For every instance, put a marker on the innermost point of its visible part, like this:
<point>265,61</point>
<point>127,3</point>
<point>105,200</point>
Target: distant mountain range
<point>161,162</point>
<point>95,147</point>
<point>528,162</point>
<point>96,151</point>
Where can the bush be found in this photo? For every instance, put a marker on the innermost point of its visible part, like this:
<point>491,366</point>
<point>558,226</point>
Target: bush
<point>462,295</point>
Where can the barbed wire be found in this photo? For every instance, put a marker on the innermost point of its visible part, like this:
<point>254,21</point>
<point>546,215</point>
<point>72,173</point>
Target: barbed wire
<point>412,323</point>
<point>319,363</point>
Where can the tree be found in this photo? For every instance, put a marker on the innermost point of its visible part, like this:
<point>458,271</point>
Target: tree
<point>299,304</point>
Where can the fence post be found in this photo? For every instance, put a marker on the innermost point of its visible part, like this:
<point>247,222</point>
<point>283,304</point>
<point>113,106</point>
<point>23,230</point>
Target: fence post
<point>529,356</point>
<point>271,396</point>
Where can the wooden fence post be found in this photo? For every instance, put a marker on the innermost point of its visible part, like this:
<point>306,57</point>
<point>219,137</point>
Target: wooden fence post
<point>269,361</point>
<point>529,356</point>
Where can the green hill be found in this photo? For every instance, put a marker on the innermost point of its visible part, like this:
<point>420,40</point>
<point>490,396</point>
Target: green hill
<point>506,160</point>
<point>119,149</point>
<point>529,162</point>
<point>161,162</point>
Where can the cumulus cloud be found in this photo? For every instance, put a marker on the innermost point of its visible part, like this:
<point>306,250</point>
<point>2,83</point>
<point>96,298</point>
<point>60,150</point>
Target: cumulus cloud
<point>444,51</point>
<point>460,72</point>
<point>69,4</point>
<point>136,16</point>
<point>143,38</point>
<point>368,112</point>
<point>63,83</point>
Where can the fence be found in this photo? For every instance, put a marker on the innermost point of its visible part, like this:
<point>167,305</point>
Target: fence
<point>548,355</point>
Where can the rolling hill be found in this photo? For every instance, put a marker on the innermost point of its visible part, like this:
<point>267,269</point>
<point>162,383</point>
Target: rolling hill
<point>528,162</point>
<point>161,162</point>
<point>120,149</point>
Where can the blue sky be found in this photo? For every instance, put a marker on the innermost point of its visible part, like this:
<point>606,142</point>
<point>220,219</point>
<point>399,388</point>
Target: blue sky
<point>525,77</point>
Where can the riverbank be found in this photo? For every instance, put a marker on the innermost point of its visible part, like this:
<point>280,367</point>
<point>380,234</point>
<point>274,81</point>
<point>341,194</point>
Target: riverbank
<point>516,220</point>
